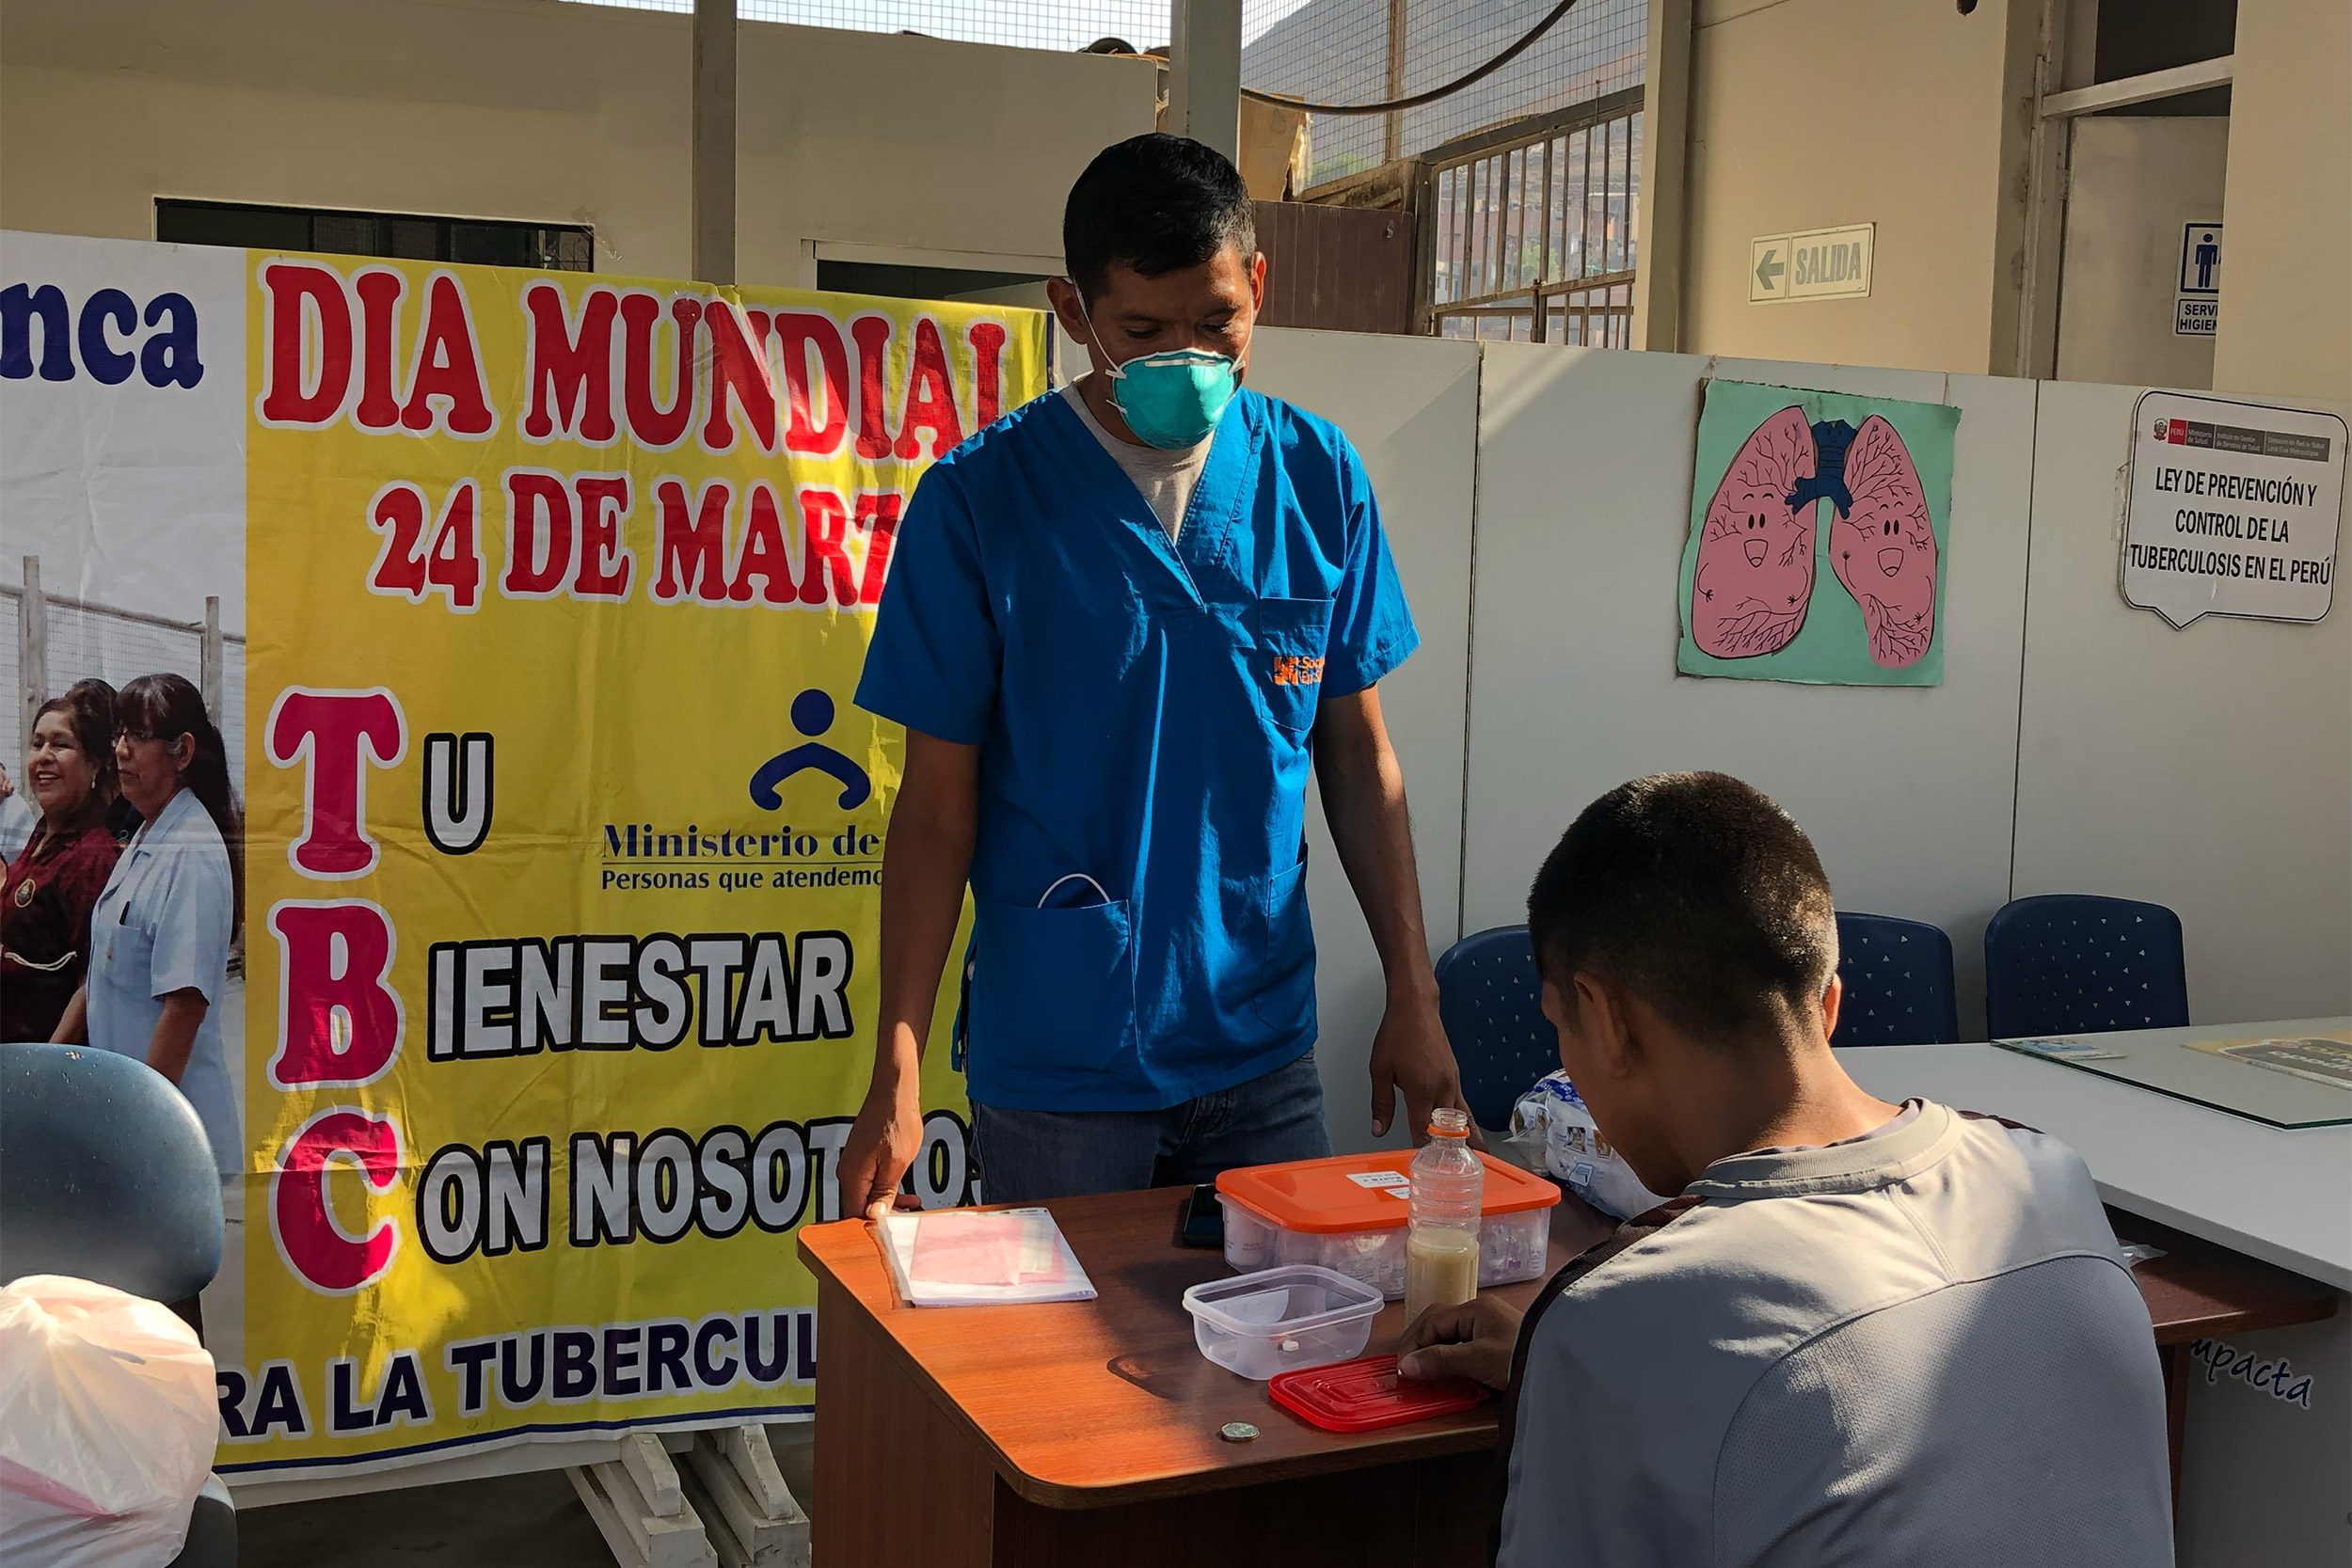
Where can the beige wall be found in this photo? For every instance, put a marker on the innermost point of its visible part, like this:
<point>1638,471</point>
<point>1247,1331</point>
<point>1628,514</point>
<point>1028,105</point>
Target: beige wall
<point>1807,114</point>
<point>2286,302</point>
<point>872,144</point>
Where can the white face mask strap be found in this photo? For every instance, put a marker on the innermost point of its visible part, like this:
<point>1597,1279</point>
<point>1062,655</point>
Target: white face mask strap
<point>1102,355</point>
<point>1119,371</point>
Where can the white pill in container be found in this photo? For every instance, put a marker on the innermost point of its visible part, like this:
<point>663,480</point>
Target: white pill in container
<point>1280,1319</point>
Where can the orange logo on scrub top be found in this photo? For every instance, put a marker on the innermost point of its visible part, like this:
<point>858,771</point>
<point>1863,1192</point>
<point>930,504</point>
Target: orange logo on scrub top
<point>1297,669</point>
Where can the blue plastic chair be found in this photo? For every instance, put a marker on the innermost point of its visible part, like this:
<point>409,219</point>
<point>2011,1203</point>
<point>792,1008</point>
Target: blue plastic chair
<point>1492,1006</point>
<point>1898,977</point>
<point>105,1175</point>
<point>2067,963</point>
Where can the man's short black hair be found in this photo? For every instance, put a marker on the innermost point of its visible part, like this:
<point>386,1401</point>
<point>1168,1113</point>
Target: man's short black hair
<point>1158,203</point>
<point>1697,894</point>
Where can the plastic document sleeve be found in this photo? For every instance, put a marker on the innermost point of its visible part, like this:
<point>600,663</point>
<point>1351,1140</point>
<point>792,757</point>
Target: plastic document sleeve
<point>969,1257</point>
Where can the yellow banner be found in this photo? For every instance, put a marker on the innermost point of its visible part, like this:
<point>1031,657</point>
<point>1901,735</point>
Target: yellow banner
<point>564,837</point>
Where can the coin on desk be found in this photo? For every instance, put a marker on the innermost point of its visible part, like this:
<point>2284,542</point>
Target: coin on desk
<point>1237,1432</point>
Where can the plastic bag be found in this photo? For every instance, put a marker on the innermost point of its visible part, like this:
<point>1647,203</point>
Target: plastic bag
<point>1554,1133</point>
<point>107,1426</point>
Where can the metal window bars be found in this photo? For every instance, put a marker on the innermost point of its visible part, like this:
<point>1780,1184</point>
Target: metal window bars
<point>1533,229</point>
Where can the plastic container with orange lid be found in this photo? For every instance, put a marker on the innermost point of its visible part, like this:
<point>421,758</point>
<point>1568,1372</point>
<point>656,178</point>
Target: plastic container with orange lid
<point>1347,1212</point>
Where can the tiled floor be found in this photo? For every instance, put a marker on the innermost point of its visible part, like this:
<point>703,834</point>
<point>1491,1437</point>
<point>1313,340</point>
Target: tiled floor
<point>528,1521</point>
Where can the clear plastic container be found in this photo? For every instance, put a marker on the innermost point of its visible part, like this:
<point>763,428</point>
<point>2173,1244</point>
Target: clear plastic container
<point>1282,1320</point>
<point>1347,1213</point>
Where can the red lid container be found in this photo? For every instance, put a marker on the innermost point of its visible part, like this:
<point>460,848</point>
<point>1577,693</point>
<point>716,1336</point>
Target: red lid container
<point>1366,1394</point>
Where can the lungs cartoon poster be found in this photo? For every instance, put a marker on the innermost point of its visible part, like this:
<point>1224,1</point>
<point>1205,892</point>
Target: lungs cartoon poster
<point>1818,538</point>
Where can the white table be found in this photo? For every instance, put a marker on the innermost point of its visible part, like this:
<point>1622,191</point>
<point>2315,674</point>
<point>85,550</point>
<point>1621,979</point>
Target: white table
<point>2282,1195</point>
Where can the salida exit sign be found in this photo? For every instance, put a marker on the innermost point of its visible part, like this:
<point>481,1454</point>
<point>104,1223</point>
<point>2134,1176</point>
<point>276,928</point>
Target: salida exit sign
<point>1811,263</point>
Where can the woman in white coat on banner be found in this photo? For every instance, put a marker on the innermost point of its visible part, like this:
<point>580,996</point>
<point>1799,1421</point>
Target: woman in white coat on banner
<point>161,934</point>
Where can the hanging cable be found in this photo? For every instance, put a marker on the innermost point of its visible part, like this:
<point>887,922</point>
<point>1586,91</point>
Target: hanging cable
<point>1433,94</point>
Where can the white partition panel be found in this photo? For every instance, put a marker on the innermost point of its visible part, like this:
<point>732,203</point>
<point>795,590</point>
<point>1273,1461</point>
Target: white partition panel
<point>1584,503</point>
<point>2208,768</point>
<point>1410,405</point>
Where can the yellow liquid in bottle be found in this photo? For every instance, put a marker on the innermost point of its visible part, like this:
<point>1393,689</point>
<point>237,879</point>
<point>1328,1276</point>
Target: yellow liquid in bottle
<point>1441,1269</point>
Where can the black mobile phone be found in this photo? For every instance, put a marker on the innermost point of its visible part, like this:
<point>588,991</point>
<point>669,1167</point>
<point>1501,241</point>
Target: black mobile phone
<point>1202,1220</point>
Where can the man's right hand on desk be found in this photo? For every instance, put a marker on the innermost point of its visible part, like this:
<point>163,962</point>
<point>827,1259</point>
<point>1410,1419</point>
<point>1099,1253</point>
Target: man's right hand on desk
<point>1472,1340</point>
<point>882,1147</point>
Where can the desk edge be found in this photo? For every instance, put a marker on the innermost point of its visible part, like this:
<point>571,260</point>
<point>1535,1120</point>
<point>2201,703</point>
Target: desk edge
<point>2323,1271</point>
<point>1405,1446</point>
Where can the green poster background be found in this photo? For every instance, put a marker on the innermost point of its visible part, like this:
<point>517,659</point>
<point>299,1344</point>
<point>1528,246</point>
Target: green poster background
<point>1832,648</point>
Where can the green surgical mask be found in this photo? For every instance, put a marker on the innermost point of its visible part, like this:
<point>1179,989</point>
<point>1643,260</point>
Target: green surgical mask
<point>1173,400</point>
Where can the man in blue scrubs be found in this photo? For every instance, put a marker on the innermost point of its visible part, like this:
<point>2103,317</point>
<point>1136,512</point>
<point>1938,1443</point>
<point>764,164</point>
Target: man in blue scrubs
<point>1120,624</point>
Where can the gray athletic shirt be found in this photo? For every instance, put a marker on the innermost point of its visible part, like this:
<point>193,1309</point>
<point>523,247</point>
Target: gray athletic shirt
<point>1921,1346</point>
<point>1165,479</point>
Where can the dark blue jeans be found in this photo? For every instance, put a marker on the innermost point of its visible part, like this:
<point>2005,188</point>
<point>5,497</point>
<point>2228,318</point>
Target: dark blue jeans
<point>1031,1156</point>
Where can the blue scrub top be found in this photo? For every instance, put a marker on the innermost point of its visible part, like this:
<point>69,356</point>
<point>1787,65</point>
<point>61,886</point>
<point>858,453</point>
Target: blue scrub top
<point>1142,710</point>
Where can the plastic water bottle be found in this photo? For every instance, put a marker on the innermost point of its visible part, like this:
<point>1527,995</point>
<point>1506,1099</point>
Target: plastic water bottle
<point>1441,1245</point>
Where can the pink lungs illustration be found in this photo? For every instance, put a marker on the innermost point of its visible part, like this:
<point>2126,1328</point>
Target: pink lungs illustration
<point>1755,574</point>
<point>1883,547</point>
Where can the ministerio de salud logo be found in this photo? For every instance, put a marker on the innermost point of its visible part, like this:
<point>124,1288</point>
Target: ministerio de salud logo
<point>644,856</point>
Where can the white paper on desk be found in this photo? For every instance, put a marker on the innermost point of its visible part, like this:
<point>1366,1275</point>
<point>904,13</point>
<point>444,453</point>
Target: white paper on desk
<point>896,1234</point>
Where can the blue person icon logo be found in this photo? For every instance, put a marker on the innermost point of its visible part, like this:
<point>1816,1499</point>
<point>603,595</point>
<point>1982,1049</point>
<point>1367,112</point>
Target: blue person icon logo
<point>812,715</point>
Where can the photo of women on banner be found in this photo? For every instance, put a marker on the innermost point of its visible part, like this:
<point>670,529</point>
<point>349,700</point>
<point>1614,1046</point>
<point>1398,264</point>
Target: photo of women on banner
<point>60,863</point>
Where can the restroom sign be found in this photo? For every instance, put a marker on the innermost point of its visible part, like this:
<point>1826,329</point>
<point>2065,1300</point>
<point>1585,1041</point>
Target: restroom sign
<point>2201,258</point>
<point>2235,509</point>
<point>1814,264</point>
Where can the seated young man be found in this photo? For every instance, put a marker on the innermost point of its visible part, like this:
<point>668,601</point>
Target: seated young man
<point>1865,1334</point>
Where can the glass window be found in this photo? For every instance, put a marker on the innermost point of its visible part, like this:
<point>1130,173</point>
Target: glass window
<point>1632,207</point>
<point>568,247</point>
<point>1556,224</point>
<point>1617,188</point>
<point>1514,185</point>
<point>1578,165</point>
<point>1597,204</point>
<point>1475,283</point>
<point>1435,218</point>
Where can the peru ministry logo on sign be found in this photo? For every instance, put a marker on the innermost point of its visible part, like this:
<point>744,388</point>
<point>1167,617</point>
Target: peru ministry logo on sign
<point>2233,509</point>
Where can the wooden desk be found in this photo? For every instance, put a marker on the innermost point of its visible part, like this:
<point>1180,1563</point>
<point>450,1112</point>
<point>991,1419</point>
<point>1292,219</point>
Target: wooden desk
<point>1087,1431</point>
<point>2201,1290</point>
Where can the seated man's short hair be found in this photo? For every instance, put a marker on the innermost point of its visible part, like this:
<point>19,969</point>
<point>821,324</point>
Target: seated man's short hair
<point>1698,895</point>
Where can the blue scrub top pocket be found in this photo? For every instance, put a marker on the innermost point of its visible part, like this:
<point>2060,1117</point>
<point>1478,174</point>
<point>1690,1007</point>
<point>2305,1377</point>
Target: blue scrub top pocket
<point>1291,635</point>
<point>1053,992</point>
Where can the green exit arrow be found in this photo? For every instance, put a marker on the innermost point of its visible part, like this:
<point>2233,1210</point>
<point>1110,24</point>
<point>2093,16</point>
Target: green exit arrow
<point>1769,269</point>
